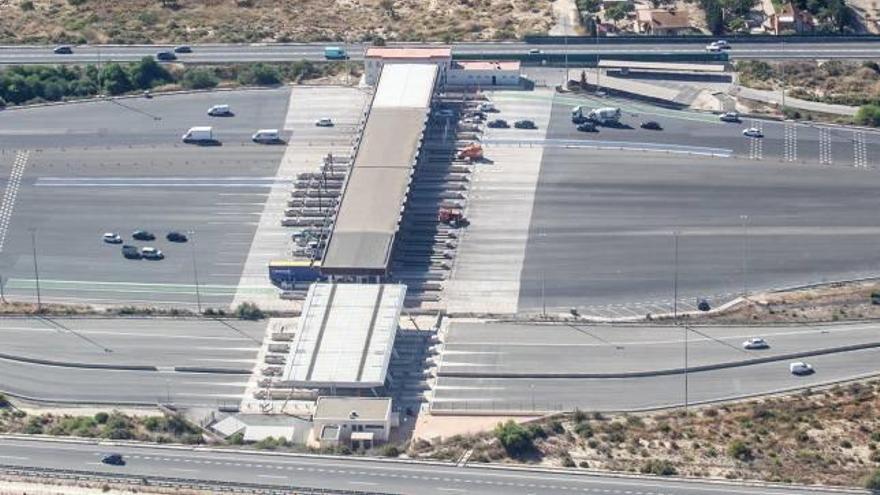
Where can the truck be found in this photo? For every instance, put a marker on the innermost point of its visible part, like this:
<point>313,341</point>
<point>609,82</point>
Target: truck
<point>606,115</point>
<point>288,274</point>
<point>334,53</point>
<point>201,134</point>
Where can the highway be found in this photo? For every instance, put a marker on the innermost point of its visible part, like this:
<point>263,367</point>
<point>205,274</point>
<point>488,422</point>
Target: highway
<point>368,475</point>
<point>271,52</point>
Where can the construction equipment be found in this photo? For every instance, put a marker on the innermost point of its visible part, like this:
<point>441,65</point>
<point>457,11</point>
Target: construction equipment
<point>471,152</point>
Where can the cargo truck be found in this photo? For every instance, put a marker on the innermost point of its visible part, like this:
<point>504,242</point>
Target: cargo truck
<point>606,115</point>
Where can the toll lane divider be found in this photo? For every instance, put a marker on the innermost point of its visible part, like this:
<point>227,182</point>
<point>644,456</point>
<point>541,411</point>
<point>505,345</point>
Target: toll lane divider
<point>613,145</point>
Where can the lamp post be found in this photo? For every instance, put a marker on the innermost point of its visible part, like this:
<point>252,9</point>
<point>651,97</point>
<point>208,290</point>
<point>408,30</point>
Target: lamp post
<point>675,277</point>
<point>192,234</point>
<point>36,268</point>
<point>745,250</point>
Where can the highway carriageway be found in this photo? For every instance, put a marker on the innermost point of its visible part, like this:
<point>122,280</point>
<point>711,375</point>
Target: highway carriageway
<point>286,471</point>
<point>270,52</point>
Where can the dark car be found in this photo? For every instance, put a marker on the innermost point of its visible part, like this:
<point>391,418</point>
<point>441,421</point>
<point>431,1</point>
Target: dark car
<point>63,50</point>
<point>183,49</point>
<point>498,124</point>
<point>166,56</point>
<point>703,305</point>
<point>176,237</point>
<point>651,125</point>
<point>143,235</point>
<point>113,459</point>
<point>131,252</point>
<point>587,127</point>
<point>525,124</point>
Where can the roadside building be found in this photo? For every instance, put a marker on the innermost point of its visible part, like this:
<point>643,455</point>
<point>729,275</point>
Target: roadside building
<point>356,421</point>
<point>484,73</point>
<point>790,19</point>
<point>376,57</point>
<point>661,22</point>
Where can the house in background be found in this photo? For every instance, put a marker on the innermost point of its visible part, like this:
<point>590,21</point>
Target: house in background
<point>661,22</point>
<point>790,19</point>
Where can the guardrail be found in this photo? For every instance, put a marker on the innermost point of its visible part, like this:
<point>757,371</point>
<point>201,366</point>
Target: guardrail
<point>653,40</point>
<point>76,476</point>
<point>553,59</point>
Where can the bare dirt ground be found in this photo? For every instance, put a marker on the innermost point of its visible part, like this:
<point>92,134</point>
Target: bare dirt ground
<point>249,21</point>
<point>829,437</point>
<point>825,303</point>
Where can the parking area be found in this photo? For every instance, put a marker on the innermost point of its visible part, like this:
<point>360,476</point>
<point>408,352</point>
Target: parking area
<point>73,172</point>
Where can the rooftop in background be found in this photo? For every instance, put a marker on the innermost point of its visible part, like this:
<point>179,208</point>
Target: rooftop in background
<point>404,53</point>
<point>487,65</point>
<point>353,408</point>
<point>376,189</point>
<point>661,66</point>
<point>668,19</point>
<point>344,336</point>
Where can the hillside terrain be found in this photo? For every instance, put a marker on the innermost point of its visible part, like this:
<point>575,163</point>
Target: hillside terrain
<point>251,21</point>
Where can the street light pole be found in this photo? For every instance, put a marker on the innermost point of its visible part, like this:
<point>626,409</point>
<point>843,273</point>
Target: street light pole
<point>36,268</point>
<point>675,277</point>
<point>686,330</point>
<point>192,246</point>
<point>745,250</point>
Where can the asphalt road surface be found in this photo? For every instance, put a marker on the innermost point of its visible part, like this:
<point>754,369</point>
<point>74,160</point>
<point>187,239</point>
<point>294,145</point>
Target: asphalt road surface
<point>508,348</point>
<point>349,474</point>
<point>160,342</point>
<point>499,395</point>
<point>601,233</point>
<point>261,52</point>
<point>72,172</point>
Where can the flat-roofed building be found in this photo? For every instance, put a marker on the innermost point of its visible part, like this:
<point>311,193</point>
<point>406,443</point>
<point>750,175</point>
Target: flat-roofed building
<point>377,186</point>
<point>344,337</point>
<point>357,421</point>
<point>376,57</point>
<point>484,73</point>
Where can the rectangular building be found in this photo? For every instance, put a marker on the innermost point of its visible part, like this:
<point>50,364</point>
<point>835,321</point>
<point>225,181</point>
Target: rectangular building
<point>484,73</point>
<point>376,57</point>
<point>357,421</point>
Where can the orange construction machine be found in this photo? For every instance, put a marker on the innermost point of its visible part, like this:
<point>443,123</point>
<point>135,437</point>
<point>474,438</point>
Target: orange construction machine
<point>472,151</point>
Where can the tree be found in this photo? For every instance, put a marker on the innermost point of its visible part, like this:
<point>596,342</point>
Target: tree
<point>873,481</point>
<point>617,11</point>
<point>199,79</point>
<point>115,80</point>
<point>388,7</point>
<point>514,438</point>
<point>147,72</point>
<point>260,74</point>
<point>868,115</point>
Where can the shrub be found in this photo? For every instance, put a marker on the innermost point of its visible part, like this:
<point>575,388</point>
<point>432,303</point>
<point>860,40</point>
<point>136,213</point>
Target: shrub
<point>249,311</point>
<point>583,430</point>
<point>101,417</point>
<point>236,438</point>
<point>567,461</point>
<point>740,450</point>
<point>26,5</point>
<point>579,416</point>
<point>873,481</point>
<point>390,450</point>
<point>868,115</point>
<point>260,74</point>
<point>658,467</point>
<point>200,79</point>
<point>514,438</point>
<point>4,402</point>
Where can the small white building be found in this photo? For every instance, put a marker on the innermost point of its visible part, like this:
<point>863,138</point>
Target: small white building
<point>376,57</point>
<point>484,73</point>
<point>356,421</point>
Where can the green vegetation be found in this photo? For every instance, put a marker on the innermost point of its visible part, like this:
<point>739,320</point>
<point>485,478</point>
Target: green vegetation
<point>249,311</point>
<point>873,481</point>
<point>740,451</point>
<point>35,84</point>
<point>837,81</point>
<point>869,115</point>
<point>515,439</point>
<point>113,425</point>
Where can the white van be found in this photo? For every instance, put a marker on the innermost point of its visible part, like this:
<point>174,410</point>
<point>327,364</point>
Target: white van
<point>219,111</point>
<point>198,135</point>
<point>266,136</point>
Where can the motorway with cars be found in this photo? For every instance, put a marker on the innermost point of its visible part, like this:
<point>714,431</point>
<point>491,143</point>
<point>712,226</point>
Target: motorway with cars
<point>289,52</point>
<point>266,471</point>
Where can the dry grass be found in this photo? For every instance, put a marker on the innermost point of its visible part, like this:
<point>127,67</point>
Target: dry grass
<point>840,82</point>
<point>248,21</point>
<point>829,437</point>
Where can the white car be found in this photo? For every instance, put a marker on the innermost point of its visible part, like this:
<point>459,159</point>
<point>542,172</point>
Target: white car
<point>712,47</point>
<point>756,343</point>
<point>753,132</point>
<point>723,44</point>
<point>152,253</point>
<point>219,111</point>
<point>800,368</point>
<point>324,122</point>
<point>487,106</point>
<point>534,51</point>
<point>112,238</point>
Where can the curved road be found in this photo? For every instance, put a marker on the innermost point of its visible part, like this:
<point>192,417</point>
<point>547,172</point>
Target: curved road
<point>271,52</point>
<point>353,474</point>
